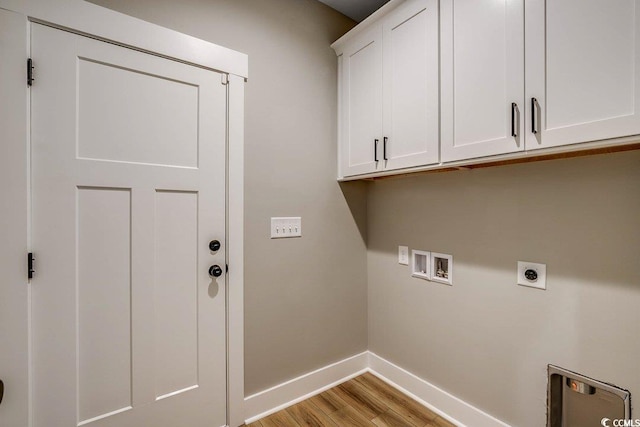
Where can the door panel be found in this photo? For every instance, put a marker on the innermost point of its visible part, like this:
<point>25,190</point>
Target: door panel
<point>411,84</point>
<point>582,69</point>
<point>104,300</point>
<point>482,75</point>
<point>570,71</point>
<point>176,291</point>
<point>362,85</point>
<point>166,133</point>
<point>128,165</point>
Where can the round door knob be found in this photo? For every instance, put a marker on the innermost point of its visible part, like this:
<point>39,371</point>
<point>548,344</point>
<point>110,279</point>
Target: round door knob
<point>214,245</point>
<point>215,271</point>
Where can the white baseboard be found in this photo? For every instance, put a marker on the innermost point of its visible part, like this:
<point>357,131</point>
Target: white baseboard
<point>289,393</point>
<point>298,389</point>
<point>439,401</point>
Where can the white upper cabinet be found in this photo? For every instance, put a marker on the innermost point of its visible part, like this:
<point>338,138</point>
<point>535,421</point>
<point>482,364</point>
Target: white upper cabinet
<point>411,84</point>
<point>389,86</point>
<point>362,103</point>
<point>428,84</point>
<point>583,71</point>
<point>482,78</point>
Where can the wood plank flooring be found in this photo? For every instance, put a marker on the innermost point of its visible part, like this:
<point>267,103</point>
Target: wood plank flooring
<point>361,402</point>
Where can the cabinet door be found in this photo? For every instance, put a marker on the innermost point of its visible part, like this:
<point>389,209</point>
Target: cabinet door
<point>411,84</point>
<point>361,136</point>
<point>583,58</point>
<point>482,76</point>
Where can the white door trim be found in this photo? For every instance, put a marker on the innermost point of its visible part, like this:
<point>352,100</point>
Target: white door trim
<point>88,19</point>
<point>235,251</point>
<point>14,292</point>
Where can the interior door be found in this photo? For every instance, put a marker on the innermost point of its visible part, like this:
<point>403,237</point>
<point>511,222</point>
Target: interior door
<point>583,58</point>
<point>411,85</point>
<point>128,189</point>
<point>482,78</point>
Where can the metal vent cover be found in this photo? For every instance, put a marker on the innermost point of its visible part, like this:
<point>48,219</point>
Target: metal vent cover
<point>574,400</point>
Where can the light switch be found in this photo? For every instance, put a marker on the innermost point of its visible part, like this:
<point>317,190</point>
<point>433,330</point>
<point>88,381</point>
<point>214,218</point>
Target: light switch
<point>285,227</point>
<point>403,255</point>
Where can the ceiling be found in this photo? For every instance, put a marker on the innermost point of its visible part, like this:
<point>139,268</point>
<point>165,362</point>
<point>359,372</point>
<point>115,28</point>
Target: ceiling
<point>355,9</point>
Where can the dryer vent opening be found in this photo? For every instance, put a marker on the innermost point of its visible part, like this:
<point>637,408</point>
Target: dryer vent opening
<point>577,401</point>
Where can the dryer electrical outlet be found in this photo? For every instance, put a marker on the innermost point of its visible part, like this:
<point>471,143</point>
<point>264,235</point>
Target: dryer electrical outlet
<point>532,274</point>
<point>285,227</point>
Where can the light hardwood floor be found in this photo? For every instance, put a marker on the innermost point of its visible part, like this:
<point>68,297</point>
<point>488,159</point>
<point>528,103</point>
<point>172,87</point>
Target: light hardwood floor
<point>363,401</point>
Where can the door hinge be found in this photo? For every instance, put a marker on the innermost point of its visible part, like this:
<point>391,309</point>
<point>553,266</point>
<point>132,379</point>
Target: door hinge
<point>30,269</point>
<point>30,77</point>
<point>225,79</point>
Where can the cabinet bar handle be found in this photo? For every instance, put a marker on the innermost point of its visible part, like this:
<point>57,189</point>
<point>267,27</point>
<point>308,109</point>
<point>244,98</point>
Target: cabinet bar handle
<point>384,148</point>
<point>514,110</point>
<point>534,122</point>
<point>375,150</point>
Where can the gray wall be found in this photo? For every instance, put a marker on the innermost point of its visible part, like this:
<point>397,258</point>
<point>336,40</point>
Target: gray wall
<point>305,303</point>
<point>486,340</point>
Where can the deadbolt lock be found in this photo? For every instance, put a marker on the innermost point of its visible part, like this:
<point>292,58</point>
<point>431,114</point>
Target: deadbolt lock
<point>214,245</point>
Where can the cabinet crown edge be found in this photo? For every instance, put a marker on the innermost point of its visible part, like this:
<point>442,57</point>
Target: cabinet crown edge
<point>339,44</point>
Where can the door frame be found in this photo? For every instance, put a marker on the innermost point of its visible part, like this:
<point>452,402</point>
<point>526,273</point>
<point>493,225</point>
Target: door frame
<point>104,24</point>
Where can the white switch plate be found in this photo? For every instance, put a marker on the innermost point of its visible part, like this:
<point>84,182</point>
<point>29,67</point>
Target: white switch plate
<point>403,255</point>
<point>284,227</point>
<point>541,271</point>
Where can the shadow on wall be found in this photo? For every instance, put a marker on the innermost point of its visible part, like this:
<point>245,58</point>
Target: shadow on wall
<point>355,194</point>
<point>580,216</point>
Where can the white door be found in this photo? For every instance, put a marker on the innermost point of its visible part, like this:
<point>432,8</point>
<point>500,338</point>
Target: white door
<point>128,179</point>
<point>361,144</point>
<point>583,58</point>
<point>482,77</point>
<point>411,85</point>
